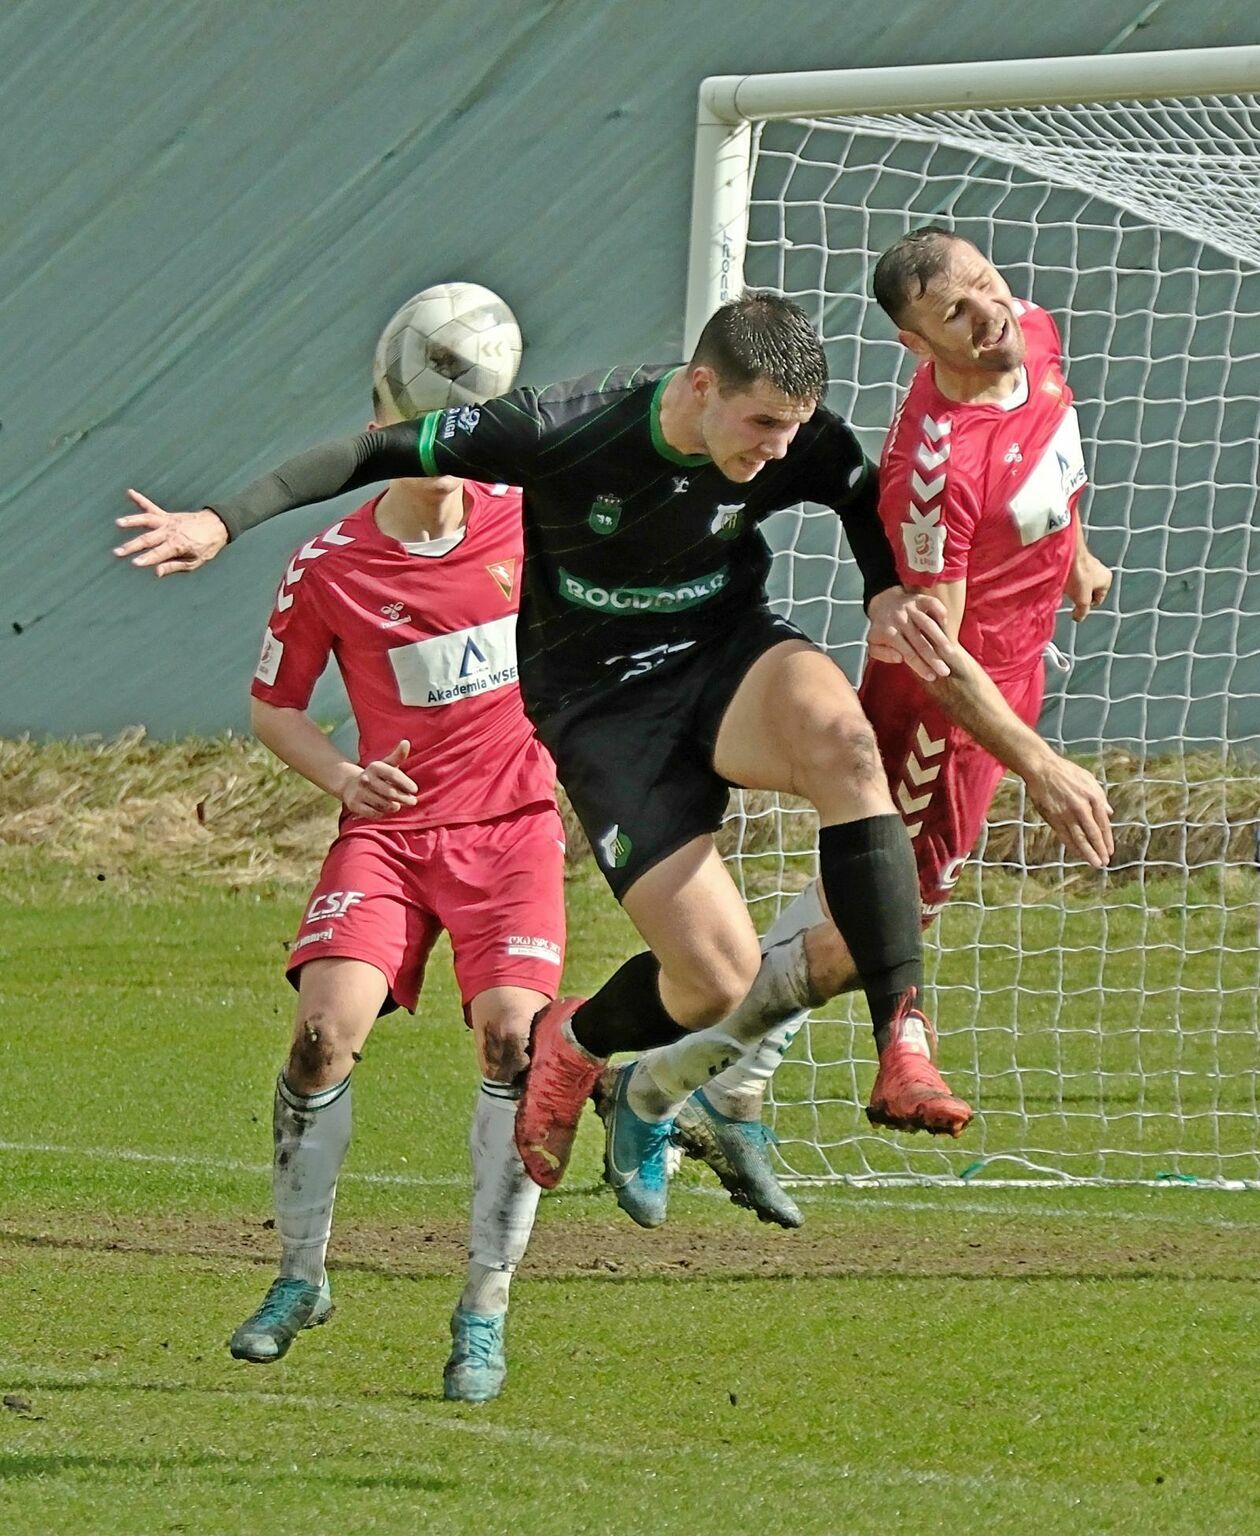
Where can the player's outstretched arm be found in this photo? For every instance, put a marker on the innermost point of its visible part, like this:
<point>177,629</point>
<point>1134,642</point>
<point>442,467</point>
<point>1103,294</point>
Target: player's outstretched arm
<point>184,541</point>
<point>173,542</point>
<point>1069,797</point>
<point>375,789</point>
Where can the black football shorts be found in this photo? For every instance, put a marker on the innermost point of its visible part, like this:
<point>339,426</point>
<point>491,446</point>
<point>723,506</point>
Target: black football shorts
<point>636,760</point>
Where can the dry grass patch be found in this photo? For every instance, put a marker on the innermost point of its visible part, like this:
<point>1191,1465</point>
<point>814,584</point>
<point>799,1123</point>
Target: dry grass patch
<point>223,808</point>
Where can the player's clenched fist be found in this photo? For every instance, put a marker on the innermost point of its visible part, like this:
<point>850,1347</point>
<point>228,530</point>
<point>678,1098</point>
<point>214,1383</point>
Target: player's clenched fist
<point>1087,584</point>
<point>380,787</point>
<point>172,541</point>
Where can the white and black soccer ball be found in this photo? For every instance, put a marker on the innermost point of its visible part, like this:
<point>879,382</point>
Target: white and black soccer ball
<point>452,344</point>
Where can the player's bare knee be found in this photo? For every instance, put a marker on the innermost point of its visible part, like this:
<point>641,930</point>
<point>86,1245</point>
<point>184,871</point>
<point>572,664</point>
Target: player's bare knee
<point>313,1051</point>
<point>501,1045</point>
<point>709,997</point>
<point>838,757</point>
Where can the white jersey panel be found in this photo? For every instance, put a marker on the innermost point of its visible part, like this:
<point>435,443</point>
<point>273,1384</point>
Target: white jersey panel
<point>1043,504</point>
<point>460,665</point>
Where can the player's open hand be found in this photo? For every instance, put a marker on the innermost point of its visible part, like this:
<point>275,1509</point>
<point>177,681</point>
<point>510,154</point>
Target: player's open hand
<point>909,626</point>
<point>1087,585</point>
<point>172,541</point>
<point>1075,806</point>
<point>381,787</point>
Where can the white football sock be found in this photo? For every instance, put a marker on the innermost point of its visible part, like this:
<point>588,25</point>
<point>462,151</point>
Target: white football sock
<point>665,1078</point>
<point>504,1201</point>
<point>312,1133</point>
<point>803,912</point>
<point>740,1091</point>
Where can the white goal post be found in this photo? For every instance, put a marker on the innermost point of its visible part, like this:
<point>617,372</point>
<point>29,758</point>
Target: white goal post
<point>1106,1028</point>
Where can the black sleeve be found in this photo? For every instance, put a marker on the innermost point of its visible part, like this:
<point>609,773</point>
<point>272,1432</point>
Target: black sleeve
<point>496,440</point>
<point>867,539</point>
<point>343,464</point>
<point>839,475</point>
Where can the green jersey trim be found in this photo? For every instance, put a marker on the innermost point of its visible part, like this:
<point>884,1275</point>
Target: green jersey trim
<point>687,460</point>
<point>683,594</point>
<point>428,436</point>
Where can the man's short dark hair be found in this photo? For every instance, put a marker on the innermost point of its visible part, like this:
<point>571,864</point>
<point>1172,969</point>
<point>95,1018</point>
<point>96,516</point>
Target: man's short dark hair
<point>763,336</point>
<point>903,272</point>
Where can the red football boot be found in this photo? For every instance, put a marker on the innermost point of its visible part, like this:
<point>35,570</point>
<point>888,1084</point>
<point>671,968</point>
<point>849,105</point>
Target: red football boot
<point>559,1081</point>
<point>909,1093</point>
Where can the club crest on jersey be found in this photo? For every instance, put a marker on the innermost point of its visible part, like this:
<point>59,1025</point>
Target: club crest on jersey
<point>504,574</point>
<point>605,514</point>
<point>615,848</point>
<point>727,520</point>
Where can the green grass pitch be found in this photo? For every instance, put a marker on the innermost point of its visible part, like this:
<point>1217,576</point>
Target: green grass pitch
<point>1061,1361</point>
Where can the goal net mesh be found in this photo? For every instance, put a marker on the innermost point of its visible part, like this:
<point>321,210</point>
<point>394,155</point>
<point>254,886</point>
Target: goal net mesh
<point>1104,1028</point>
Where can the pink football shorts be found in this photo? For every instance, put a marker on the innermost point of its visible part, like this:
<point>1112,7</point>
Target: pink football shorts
<point>497,887</point>
<point>942,780</point>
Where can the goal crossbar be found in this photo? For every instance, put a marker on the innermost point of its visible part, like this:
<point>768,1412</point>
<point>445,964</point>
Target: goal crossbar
<point>730,104</point>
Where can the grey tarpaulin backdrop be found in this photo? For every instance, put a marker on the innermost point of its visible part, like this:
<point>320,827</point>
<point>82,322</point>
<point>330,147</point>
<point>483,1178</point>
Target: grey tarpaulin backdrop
<point>211,208</point>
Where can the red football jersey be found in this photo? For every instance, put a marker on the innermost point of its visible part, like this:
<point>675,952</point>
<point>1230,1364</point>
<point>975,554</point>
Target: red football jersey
<point>986,493</point>
<point>425,639</point>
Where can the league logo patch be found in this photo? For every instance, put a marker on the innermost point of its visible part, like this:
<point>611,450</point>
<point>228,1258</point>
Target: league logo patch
<point>924,540</point>
<point>269,661</point>
<point>605,514</point>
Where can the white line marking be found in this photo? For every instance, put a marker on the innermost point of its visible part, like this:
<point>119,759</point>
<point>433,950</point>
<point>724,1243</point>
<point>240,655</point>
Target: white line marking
<point>1027,1209</point>
<point>221,1164</point>
<point>807,1192</point>
<point>816,1468</point>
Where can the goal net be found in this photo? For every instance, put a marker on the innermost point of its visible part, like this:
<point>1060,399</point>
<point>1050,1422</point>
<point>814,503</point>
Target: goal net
<point>1105,1028</point>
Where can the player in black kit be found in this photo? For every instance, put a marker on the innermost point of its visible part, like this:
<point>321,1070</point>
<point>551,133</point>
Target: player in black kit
<point>654,670</point>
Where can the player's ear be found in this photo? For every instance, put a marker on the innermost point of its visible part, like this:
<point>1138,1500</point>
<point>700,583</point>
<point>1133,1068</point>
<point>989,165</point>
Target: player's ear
<point>703,380</point>
<point>915,343</point>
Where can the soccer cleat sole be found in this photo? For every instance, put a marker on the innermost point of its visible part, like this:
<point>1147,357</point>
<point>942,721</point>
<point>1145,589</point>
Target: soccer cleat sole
<point>948,1125</point>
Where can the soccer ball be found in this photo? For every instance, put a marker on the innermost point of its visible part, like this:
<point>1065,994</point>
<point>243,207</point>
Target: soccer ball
<point>452,344</point>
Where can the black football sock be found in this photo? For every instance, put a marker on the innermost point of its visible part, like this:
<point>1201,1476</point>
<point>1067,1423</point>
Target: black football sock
<point>627,1014</point>
<point>872,887</point>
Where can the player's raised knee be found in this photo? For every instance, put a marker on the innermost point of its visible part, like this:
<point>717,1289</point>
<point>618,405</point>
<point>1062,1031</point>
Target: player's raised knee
<point>833,752</point>
<point>714,991</point>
